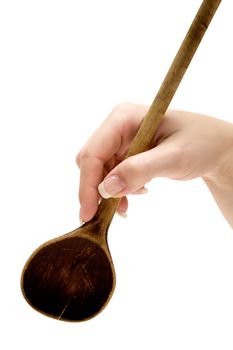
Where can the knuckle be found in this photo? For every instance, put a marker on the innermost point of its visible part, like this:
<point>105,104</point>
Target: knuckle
<point>133,166</point>
<point>121,109</point>
<point>177,153</point>
<point>82,155</point>
<point>77,159</point>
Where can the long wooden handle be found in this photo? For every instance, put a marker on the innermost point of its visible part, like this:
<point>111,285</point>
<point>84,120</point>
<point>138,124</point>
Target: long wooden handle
<point>174,76</point>
<point>158,108</point>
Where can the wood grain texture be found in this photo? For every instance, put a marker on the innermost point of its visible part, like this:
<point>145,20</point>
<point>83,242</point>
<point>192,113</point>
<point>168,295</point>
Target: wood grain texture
<point>72,277</point>
<point>171,82</point>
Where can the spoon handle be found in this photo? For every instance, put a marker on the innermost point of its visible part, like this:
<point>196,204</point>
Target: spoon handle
<point>174,76</point>
<point>158,108</point>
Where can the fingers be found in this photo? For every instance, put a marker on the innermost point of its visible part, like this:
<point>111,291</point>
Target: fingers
<point>103,151</point>
<point>122,207</point>
<point>183,148</point>
<point>92,160</point>
<point>91,173</point>
<point>132,174</point>
<point>92,170</point>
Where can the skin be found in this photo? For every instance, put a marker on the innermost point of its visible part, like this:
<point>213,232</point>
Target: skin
<point>186,146</point>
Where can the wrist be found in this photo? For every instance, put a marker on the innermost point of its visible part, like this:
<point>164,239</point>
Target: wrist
<point>222,174</point>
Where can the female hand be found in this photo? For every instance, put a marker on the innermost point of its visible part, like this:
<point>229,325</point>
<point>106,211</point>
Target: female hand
<point>186,146</point>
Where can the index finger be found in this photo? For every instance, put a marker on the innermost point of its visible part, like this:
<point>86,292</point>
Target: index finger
<point>108,143</point>
<point>91,160</point>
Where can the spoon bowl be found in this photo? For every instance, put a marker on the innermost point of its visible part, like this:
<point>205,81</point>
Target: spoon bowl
<point>71,277</point>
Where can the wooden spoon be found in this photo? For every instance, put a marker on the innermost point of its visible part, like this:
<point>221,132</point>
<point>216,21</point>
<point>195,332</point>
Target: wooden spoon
<point>72,277</point>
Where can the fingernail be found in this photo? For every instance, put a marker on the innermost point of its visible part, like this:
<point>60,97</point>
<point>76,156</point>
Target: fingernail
<point>122,214</point>
<point>81,222</point>
<point>111,187</point>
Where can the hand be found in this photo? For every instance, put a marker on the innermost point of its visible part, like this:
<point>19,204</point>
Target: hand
<point>186,146</point>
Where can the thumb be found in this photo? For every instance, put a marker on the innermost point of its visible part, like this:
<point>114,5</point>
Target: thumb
<point>134,172</point>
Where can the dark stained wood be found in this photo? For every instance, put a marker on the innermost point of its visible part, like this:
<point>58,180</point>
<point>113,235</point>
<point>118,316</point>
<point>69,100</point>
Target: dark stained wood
<point>69,279</point>
<point>72,277</point>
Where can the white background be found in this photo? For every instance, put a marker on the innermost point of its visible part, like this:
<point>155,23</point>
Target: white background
<point>64,65</point>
